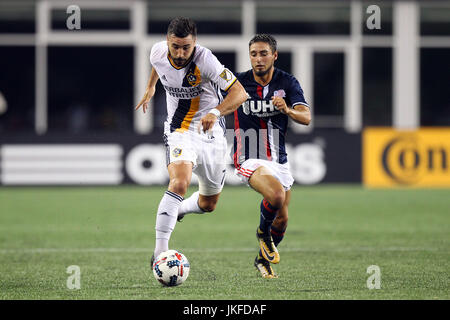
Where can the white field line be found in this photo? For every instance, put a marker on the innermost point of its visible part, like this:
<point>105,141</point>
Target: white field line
<point>150,250</point>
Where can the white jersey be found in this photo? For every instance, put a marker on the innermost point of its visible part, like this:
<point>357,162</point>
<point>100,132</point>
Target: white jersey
<point>193,90</point>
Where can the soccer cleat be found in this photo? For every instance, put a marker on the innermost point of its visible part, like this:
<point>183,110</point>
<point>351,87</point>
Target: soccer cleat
<point>264,268</point>
<point>268,249</point>
<point>180,217</point>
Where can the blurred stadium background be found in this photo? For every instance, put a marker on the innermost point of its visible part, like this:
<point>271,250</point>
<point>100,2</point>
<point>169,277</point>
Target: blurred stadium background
<point>67,96</point>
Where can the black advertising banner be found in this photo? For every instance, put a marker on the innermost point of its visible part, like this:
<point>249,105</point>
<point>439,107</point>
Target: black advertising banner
<point>324,156</point>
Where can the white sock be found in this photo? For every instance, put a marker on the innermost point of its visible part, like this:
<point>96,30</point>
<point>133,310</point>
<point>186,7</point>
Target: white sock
<point>190,205</point>
<point>166,218</point>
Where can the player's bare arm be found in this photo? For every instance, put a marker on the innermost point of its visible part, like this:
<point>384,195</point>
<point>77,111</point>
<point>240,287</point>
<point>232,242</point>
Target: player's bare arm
<point>149,91</point>
<point>300,113</point>
<point>235,97</point>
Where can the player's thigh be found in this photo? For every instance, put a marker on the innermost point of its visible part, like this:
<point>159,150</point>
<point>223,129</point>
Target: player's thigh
<point>211,179</point>
<point>211,169</point>
<point>210,185</point>
<point>180,173</point>
<point>266,184</point>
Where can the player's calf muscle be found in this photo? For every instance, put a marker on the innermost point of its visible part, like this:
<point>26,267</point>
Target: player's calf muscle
<point>280,221</point>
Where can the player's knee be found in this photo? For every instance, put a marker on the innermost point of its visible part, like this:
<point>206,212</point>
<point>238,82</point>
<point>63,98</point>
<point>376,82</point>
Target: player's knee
<point>277,198</point>
<point>179,186</point>
<point>207,206</point>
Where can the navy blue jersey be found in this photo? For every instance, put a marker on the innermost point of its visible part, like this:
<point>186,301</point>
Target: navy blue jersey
<point>260,129</point>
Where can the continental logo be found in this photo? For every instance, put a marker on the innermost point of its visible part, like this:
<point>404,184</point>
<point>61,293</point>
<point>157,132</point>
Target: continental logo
<point>406,158</point>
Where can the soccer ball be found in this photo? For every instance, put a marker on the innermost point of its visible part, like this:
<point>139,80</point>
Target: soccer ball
<point>171,268</point>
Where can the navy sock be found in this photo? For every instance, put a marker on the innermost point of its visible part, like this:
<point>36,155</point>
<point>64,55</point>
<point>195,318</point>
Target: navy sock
<point>277,235</point>
<point>268,214</point>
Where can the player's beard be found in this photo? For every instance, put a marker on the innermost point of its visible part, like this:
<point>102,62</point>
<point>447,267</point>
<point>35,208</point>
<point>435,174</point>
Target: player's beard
<point>180,62</point>
<point>261,73</point>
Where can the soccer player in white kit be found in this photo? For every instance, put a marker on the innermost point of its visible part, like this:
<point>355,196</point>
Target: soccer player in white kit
<point>194,132</point>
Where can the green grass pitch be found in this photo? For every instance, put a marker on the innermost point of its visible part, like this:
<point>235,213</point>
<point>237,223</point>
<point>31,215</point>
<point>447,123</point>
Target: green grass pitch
<point>335,233</point>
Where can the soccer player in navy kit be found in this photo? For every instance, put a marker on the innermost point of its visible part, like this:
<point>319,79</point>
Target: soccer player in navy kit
<point>260,157</point>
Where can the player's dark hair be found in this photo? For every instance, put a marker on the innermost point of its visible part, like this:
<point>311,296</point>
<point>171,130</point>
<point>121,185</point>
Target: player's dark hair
<point>267,38</point>
<point>181,27</point>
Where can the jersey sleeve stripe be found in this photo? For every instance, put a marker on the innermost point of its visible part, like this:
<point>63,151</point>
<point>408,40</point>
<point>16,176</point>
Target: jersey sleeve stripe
<point>302,103</point>
<point>230,84</point>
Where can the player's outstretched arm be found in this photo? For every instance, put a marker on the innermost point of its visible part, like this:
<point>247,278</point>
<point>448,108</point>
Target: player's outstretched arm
<point>300,113</point>
<point>235,97</point>
<point>149,91</point>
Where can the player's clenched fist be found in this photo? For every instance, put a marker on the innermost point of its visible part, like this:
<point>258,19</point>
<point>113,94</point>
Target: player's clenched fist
<point>280,104</point>
<point>207,122</point>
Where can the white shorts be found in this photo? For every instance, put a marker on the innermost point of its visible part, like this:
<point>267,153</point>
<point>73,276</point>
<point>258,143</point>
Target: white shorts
<point>280,171</point>
<point>207,154</point>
